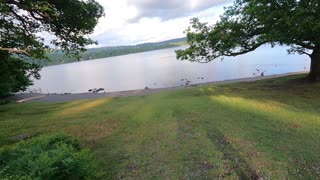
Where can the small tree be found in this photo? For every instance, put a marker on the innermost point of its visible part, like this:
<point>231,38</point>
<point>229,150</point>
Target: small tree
<point>23,21</point>
<point>248,24</point>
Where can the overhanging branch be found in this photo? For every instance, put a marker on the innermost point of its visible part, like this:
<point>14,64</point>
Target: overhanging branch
<point>18,51</point>
<point>303,52</point>
<point>245,50</point>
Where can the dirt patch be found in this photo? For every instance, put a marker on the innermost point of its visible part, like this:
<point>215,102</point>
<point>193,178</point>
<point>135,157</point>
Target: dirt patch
<point>304,166</point>
<point>206,166</point>
<point>228,170</point>
<point>20,137</point>
<point>132,168</point>
<point>223,141</point>
<point>315,168</point>
<point>294,126</point>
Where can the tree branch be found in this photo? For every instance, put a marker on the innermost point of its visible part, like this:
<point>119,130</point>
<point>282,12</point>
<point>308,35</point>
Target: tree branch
<point>303,52</point>
<point>304,45</point>
<point>245,50</point>
<point>32,11</point>
<point>22,20</point>
<point>18,51</point>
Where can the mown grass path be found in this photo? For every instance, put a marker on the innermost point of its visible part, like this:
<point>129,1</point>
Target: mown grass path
<point>265,129</point>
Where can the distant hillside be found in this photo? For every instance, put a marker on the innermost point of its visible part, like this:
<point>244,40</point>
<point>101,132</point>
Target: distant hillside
<point>58,57</point>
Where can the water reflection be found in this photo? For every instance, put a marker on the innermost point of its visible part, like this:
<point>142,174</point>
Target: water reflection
<point>157,69</point>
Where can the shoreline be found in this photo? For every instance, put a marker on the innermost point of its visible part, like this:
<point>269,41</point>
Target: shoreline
<point>37,97</point>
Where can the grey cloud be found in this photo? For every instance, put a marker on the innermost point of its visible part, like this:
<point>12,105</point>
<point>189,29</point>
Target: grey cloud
<point>169,9</point>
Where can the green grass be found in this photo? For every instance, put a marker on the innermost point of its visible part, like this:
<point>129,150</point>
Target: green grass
<point>269,129</point>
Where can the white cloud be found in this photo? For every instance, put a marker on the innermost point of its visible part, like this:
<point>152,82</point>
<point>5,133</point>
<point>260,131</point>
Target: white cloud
<point>125,23</point>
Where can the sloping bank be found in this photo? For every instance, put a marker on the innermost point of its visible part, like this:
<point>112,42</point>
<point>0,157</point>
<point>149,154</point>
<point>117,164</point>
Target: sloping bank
<point>266,129</point>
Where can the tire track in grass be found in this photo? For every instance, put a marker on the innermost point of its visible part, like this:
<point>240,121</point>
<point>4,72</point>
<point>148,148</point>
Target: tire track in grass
<point>233,160</point>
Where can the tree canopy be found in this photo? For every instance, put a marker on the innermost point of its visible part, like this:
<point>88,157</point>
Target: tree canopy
<point>69,21</point>
<point>24,24</point>
<point>248,24</point>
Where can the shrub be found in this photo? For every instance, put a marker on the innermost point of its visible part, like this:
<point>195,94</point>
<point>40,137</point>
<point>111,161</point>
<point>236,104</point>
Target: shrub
<point>47,157</point>
<point>15,75</point>
<point>4,101</point>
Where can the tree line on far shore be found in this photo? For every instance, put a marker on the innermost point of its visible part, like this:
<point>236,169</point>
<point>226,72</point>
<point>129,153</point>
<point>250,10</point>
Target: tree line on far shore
<point>58,57</point>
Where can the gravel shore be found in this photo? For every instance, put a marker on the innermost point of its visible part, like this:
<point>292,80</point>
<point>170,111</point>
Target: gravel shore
<point>141,92</point>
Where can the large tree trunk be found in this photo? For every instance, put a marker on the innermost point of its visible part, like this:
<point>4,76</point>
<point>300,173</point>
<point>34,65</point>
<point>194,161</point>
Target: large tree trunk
<point>314,74</point>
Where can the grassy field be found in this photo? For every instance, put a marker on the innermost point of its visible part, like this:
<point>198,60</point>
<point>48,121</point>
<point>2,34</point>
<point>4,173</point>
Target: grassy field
<point>268,129</point>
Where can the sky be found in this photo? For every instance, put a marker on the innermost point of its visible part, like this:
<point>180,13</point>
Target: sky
<point>129,22</point>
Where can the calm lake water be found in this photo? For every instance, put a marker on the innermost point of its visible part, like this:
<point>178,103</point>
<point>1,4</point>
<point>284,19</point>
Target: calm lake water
<point>158,69</point>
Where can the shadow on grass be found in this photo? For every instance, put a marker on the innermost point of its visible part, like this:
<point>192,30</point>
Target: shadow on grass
<point>278,128</point>
<point>248,131</point>
<point>208,152</point>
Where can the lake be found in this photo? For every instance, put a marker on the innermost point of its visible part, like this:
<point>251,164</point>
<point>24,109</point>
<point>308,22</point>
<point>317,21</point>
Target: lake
<point>159,69</point>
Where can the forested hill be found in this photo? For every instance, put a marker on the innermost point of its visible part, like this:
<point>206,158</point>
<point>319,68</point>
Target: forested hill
<point>58,57</point>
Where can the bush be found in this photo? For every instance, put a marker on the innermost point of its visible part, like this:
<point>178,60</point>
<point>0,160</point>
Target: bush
<point>16,74</point>
<point>4,101</point>
<point>47,157</point>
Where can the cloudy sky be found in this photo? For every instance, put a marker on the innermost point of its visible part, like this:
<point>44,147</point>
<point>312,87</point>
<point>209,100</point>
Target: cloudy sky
<point>128,22</point>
